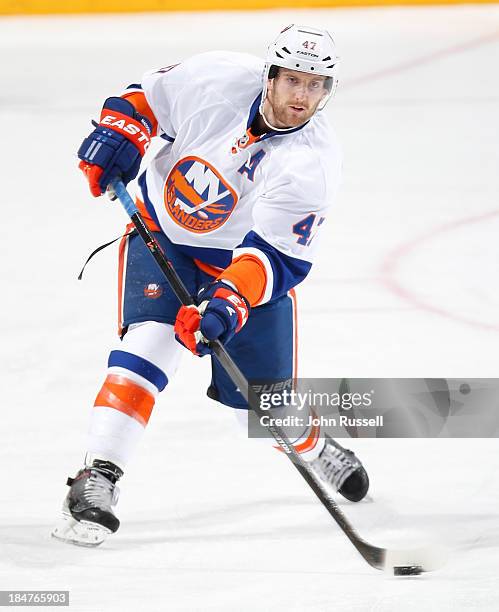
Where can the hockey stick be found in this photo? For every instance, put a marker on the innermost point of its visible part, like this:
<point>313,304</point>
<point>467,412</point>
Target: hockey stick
<point>401,562</point>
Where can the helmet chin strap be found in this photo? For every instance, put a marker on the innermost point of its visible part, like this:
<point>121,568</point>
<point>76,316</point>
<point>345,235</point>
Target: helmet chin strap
<point>269,125</point>
<point>267,122</point>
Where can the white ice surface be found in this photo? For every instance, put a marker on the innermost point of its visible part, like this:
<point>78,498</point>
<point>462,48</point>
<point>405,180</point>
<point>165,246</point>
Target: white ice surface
<point>406,285</point>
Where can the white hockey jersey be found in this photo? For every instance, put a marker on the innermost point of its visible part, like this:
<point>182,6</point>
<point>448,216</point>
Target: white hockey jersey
<point>218,194</point>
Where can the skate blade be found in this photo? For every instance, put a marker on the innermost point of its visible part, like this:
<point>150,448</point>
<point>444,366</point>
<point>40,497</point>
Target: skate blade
<point>79,533</point>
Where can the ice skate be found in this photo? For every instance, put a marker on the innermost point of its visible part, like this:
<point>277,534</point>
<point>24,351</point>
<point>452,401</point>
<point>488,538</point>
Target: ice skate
<point>87,515</point>
<point>340,468</point>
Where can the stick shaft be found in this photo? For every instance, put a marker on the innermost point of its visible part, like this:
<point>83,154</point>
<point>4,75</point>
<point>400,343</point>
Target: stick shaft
<point>372,554</point>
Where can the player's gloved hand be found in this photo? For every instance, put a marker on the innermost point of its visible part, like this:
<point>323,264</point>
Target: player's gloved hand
<point>116,146</point>
<point>221,313</point>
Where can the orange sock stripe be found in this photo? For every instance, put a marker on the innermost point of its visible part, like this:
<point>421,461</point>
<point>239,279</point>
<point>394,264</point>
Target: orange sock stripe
<point>249,276</point>
<point>138,99</point>
<point>122,394</point>
<point>310,442</point>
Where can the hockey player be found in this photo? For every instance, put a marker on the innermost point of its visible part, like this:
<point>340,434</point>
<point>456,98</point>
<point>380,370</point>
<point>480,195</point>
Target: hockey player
<point>235,197</point>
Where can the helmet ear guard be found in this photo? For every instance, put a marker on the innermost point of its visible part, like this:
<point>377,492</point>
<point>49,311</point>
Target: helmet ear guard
<point>273,71</point>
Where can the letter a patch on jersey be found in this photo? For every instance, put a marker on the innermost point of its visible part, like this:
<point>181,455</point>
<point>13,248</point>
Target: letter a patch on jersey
<point>250,167</point>
<point>197,197</point>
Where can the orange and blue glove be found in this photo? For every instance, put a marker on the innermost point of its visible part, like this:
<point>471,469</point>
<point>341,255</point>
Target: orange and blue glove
<point>221,313</point>
<point>116,147</point>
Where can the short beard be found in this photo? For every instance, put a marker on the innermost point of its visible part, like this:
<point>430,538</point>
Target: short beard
<point>279,115</point>
<point>283,118</point>
<point>293,121</point>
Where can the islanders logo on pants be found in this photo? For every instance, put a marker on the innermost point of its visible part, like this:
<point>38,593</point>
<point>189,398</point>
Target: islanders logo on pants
<point>197,197</point>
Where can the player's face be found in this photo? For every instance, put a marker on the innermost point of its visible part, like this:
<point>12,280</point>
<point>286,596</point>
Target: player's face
<point>293,97</point>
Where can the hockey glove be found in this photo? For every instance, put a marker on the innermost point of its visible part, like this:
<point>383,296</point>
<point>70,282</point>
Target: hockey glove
<point>116,147</point>
<point>221,313</point>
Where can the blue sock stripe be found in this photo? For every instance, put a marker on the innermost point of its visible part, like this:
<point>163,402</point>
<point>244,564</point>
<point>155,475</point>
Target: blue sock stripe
<point>140,366</point>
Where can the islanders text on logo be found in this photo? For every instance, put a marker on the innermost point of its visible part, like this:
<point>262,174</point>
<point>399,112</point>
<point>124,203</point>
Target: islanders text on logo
<point>197,197</point>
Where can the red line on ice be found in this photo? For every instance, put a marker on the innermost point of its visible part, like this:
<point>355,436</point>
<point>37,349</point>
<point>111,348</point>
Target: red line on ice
<point>392,261</point>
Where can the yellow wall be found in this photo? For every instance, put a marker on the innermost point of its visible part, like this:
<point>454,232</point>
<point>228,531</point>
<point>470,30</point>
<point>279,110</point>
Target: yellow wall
<point>19,7</point>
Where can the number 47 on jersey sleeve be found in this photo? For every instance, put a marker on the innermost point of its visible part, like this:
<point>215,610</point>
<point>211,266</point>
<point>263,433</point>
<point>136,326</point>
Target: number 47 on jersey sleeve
<point>307,228</point>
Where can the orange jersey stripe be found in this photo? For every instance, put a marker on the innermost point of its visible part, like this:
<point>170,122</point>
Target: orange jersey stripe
<point>121,280</point>
<point>151,224</point>
<point>122,394</point>
<point>208,268</point>
<point>248,275</point>
<point>138,99</point>
<point>292,295</point>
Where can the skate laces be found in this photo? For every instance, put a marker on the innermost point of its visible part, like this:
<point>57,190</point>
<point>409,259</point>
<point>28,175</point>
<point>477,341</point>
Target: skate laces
<point>99,491</point>
<point>335,464</point>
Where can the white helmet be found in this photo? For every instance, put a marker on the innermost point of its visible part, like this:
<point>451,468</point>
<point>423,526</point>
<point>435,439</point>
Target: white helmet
<point>303,49</point>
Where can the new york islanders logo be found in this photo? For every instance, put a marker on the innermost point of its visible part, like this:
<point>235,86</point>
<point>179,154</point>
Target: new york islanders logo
<point>153,291</point>
<point>197,197</point>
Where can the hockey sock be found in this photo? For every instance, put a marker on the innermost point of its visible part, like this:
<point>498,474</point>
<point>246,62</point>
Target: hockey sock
<point>119,417</point>
<point>306,440</point>
<point>138,369</point>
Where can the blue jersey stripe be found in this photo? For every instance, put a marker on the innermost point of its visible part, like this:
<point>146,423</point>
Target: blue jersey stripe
<point>288,271</point>
<point>166,137</point>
